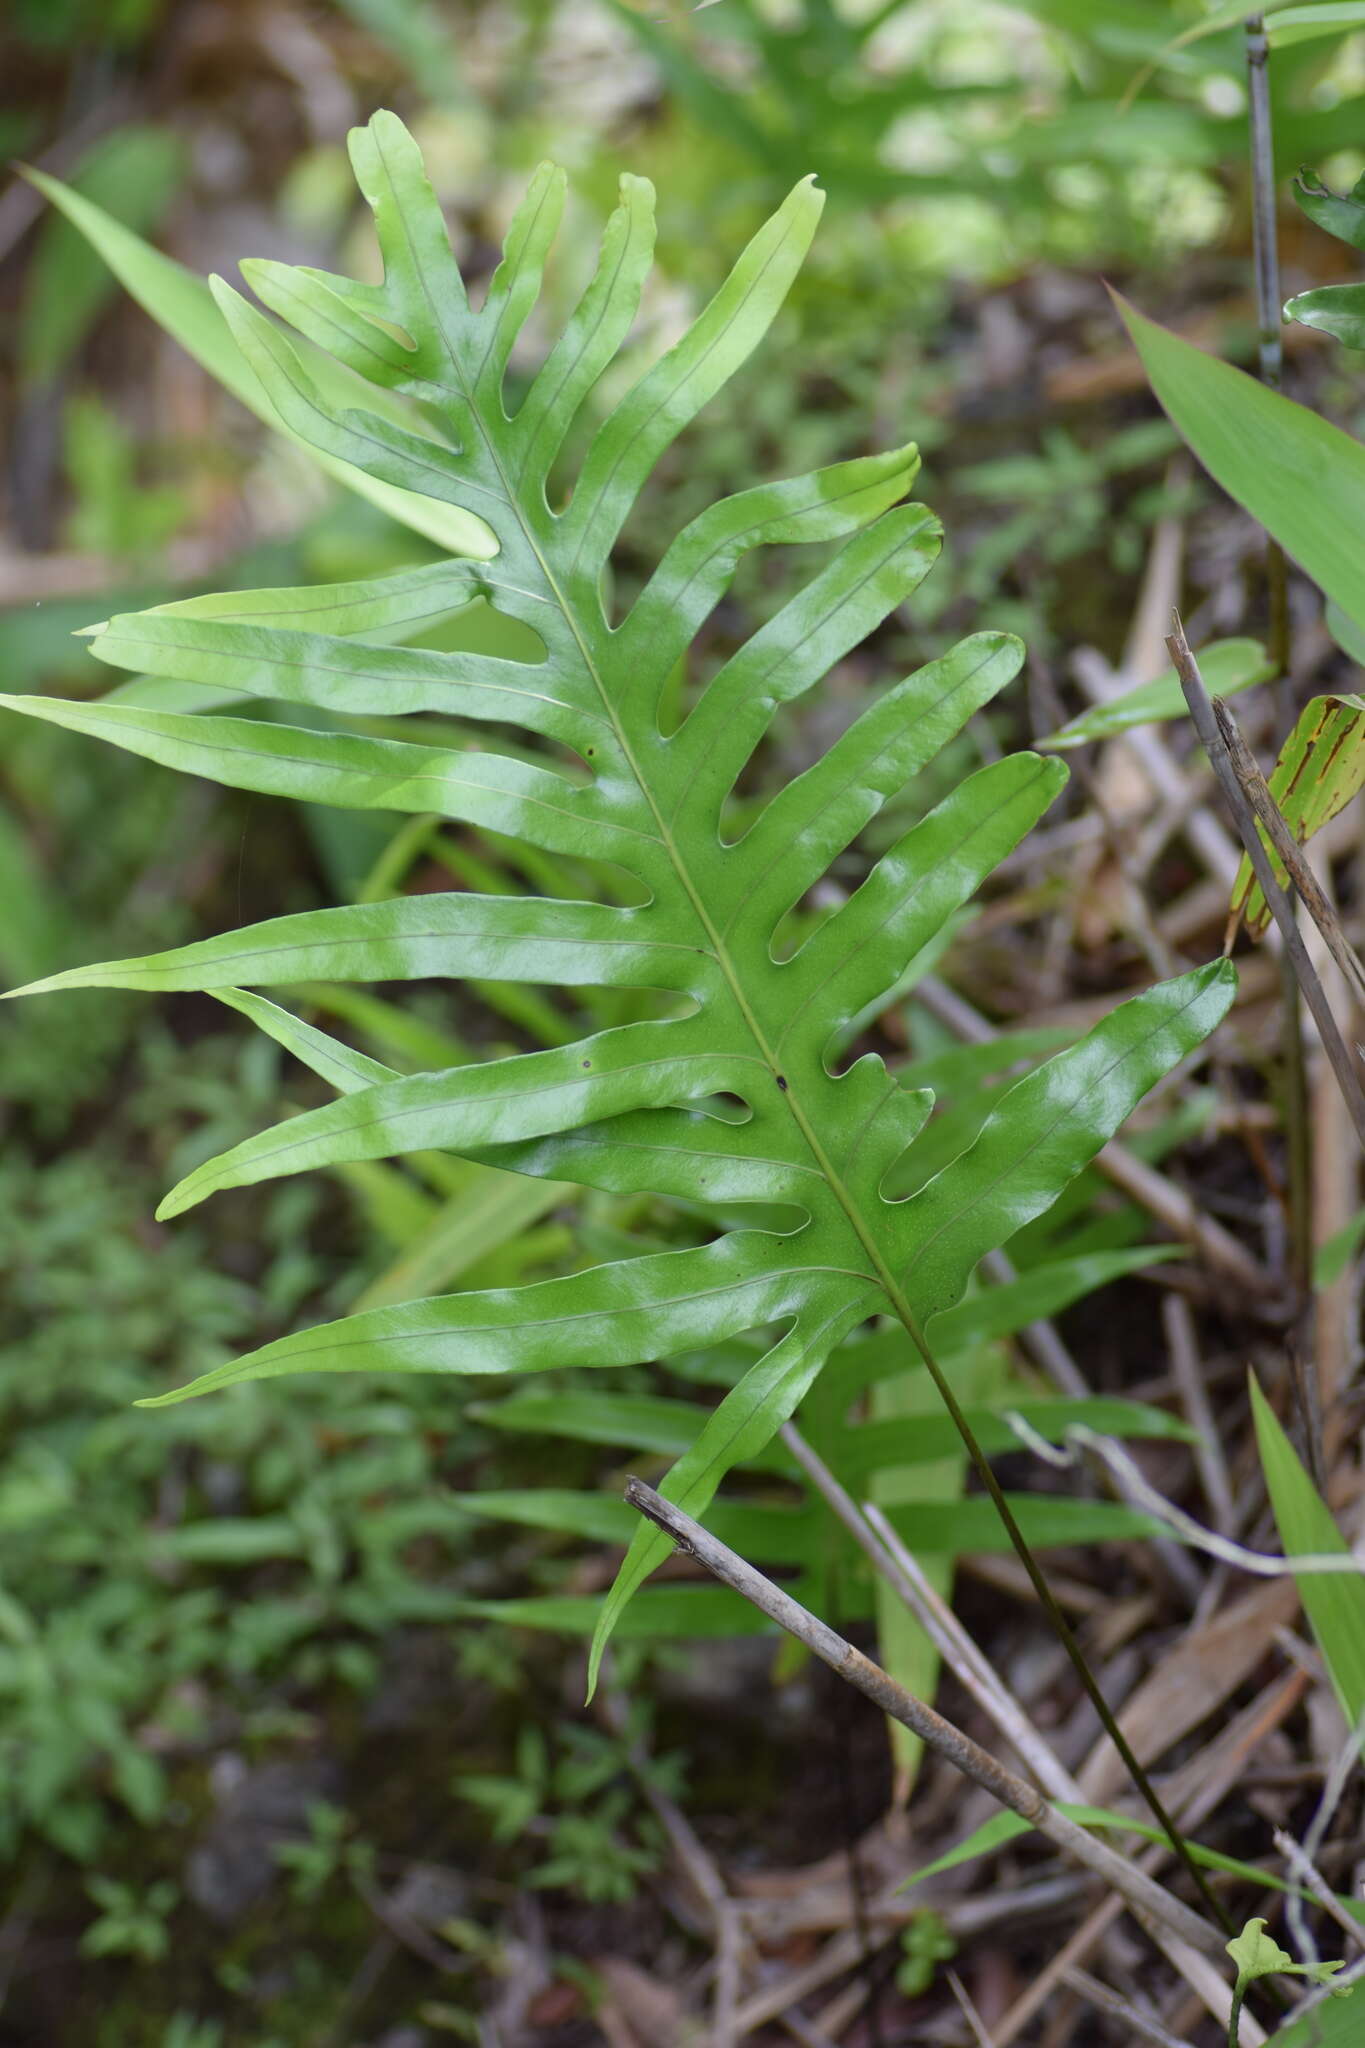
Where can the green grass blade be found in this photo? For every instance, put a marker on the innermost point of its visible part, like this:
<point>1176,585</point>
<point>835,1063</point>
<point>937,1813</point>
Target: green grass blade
<point>183,305</point>
<point>1300,477</point>
<point>1335,1604</point>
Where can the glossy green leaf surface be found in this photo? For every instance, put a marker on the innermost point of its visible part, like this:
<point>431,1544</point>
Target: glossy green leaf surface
<point>1337,213</point>
<point>731,1093</point>
<point>1335,309</point>
<point>1300,477</point>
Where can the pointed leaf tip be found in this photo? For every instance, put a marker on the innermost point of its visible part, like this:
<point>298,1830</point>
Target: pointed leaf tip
<point>624,1111</point>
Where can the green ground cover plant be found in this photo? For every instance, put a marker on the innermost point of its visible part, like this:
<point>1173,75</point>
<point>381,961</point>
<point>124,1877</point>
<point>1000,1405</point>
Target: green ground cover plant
<point>824,1216</point>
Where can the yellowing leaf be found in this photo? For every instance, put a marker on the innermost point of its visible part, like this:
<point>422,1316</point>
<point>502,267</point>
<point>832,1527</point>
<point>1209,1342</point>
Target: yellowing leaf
<point>1321,766</point>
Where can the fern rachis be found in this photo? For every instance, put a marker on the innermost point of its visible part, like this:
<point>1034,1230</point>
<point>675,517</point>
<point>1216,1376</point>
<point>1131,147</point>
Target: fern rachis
<point>632,1107</point>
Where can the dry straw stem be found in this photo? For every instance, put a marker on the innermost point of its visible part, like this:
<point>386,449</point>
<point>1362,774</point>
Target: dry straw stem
<point>1305,1854</point>
<point>1207,1449</point>
<point>1207,1780</point>
<point>889,1556</point>
<point>1140,1494</point>
<point>1215,746</point>
<point>1305,1872</point>
<point>1309,889</point>
<point>1150,1902</point>
<point>1143,2024</point>
<point>875,1536</point>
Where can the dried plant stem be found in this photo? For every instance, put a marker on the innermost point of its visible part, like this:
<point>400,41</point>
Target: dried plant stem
<point>1142,1495</point>
<point>875,1536</point>
<point>1061,1627</point>
<point>1333,1786</point>
<point>1305,1872</point>
<point>1206,725</point>
<point>1207,1447</point>
<point>1151,1903</point>
<point>888,1555</point>
<point>1210,1787</point>
<point>1142,2024</point>
<point>968,2010</point>
<point>1307,887</point>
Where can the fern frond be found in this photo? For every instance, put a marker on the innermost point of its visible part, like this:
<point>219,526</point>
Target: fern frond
<point>632,1107</point>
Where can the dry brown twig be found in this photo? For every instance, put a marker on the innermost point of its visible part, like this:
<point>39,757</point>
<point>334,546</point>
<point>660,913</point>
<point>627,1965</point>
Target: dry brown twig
<point>1309,889</point>
<point>1215,746</point>
<point>1150,1902</point>
<point>878,1539</point>
<point>1196,1791</point>
<point>1207,1448</point>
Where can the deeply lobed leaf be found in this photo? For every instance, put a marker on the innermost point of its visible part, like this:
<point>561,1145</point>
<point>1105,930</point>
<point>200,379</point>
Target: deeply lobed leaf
<point>420,407</point>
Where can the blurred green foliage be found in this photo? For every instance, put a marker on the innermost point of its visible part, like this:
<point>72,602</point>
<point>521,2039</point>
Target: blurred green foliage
<point>173,1582</point>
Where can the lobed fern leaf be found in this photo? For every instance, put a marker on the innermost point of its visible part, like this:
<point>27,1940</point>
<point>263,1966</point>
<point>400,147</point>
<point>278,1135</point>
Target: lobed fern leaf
<point>632,1107</point>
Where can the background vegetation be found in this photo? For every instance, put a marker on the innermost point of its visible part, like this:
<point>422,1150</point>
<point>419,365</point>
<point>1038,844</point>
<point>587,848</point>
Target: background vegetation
<point>292,1747</point>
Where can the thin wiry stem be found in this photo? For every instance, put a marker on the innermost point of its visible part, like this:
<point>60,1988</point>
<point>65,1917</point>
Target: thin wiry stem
<point>1334,1784</point>
<point>1142,1495</point>
<point>1061,1627</point>
<point>1306,1872</point>
<point>874,1535</point>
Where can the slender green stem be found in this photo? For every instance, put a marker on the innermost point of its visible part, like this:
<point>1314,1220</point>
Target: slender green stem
<point>585,639</point>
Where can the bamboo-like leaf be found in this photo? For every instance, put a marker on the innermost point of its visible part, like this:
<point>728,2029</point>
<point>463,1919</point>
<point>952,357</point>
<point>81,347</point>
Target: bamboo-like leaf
<point>628,1422</point>
<point>1320,767</point>
<point>1297,474</point>
<point>730,1092</point>
<point>1311,22</point>
<point>1007,1827</point>
<point>183,305</point>
<point>1227,666</point>
<point>1336,2023</point>
<point>860,1449</point>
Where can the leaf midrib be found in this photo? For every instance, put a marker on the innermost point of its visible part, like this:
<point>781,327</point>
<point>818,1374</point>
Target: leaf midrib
<point>833,1180</point>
